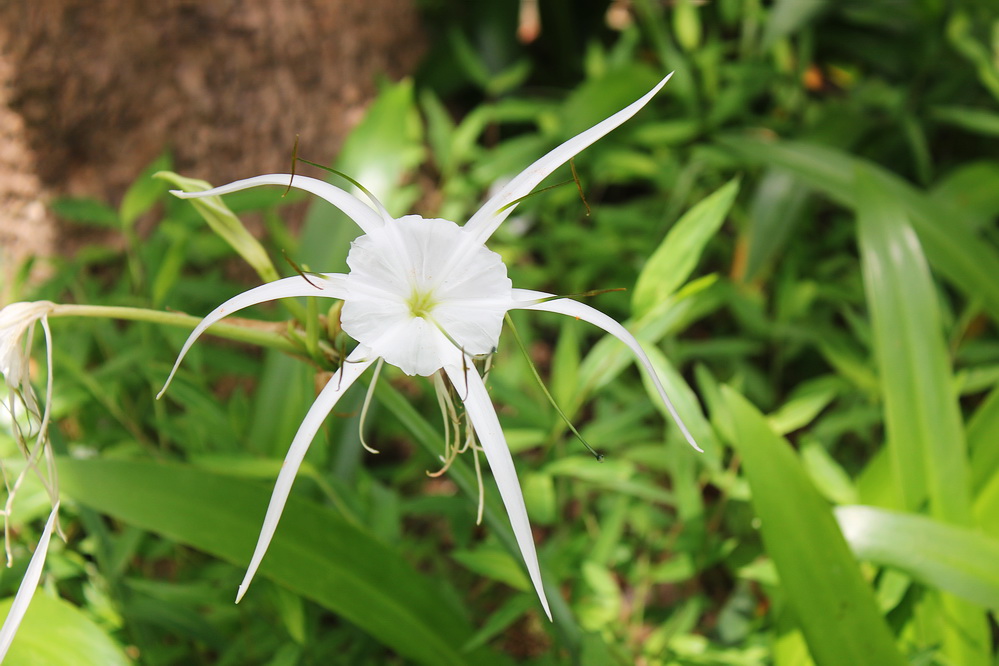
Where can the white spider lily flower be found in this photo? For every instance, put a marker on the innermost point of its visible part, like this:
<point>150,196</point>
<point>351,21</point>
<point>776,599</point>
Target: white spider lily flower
<point>426,295</point>
<point>17,323</point>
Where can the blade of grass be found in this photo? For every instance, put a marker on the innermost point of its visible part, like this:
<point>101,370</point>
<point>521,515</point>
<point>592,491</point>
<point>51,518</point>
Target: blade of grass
<point>819,576</point>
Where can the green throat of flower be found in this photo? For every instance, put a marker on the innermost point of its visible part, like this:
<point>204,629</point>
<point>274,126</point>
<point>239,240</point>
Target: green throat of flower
<point>421,304</point>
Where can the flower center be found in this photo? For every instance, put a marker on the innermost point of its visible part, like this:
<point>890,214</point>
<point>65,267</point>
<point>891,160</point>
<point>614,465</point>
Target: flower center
<point>420,295</point>
<point>421,303</point>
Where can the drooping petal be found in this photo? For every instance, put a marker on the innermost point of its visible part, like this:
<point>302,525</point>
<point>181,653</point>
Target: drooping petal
<point>527,299</point>
<point>354,365</point>
<point>485,221</point>
<point>329,285</point>
<point>480,410</point>
<point>354,208</point>
<point>28,585</point>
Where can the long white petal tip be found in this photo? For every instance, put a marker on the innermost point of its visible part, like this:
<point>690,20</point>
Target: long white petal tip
<point>690,440</point>
<point>241,591</point>
<point>26,590</point>
<point>166,385</point>
<point>169,378</point>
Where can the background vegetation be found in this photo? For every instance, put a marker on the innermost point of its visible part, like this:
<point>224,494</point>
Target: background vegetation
<point>805,222</point>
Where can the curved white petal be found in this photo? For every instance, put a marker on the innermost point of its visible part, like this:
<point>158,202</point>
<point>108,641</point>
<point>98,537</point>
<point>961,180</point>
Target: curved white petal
<point>355,364</point>
<point>485,221</point>
<point>329,285</point>
<point>28,585</point>
<point>353,207</point>
<point>487,428</point>
<point>527,299</point>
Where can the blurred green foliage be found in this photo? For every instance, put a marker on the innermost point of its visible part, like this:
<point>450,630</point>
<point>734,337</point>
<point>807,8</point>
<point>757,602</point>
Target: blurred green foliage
<point>806,219</point>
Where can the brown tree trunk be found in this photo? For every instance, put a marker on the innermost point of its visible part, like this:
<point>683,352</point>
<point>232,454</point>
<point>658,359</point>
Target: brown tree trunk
<point>93,90</point>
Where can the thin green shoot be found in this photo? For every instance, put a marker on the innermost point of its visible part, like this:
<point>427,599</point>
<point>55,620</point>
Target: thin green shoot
<point>534,371</point>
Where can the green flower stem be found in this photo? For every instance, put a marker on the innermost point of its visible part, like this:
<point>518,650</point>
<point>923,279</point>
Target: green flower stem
<point>232,331</point>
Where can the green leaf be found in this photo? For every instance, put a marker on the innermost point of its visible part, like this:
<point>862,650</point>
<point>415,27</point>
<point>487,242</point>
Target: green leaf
<point>950,558</point>
<point>614,474</point>
<point>57,633</point>
<point>923,421</point>
<point>494,514</point>
<point>804,404</point>
<point>496,564</point>
<point>819,576</point>
<point>677,256</point>
<point>85,211</point>
<point>829,477</point>
<point>776,209</point>
<point>951,247</point>
<point>226,224</point>
<point>787,17</point>
<point>925,436</point>
<point>599,97</point>
<point>959,33</point>
<point>970,187</point>
<point>983,442</point>
<point>315,553</point>
<point>979,121</point>
<point>144,192</point>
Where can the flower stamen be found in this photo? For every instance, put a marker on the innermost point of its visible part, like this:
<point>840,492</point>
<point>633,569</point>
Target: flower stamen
<point>367,403</point>
<point>421,304</point>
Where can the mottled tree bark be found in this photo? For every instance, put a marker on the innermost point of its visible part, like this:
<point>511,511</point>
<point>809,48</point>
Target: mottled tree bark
<point>93,90</point>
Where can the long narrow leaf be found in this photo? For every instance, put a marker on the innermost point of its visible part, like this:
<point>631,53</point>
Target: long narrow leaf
<point>925,437</point>
<point>940,555</point>
<point>677,256</point>
<point>951,247</point>
<point>818,574</point>
<point>314,553</point>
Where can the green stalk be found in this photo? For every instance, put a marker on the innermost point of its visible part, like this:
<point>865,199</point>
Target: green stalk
<point>246,332</point>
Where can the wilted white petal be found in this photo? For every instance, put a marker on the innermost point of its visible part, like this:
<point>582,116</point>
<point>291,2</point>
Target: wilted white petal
<point>16,321</point>
<point>527,299</point>
<point>497,208</point>
<point>328,285</point>
<point>28,585</point>
<point>353,366</point>
<point>354,208</point>
<point>480,410</point>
